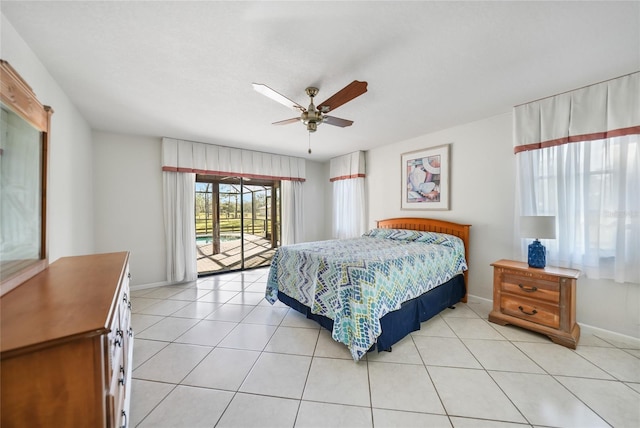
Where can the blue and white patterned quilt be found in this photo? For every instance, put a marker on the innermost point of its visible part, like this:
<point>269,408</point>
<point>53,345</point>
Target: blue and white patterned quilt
<point>355,282</point>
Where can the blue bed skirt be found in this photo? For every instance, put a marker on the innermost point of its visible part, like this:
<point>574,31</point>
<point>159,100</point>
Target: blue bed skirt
<point>397,324</point>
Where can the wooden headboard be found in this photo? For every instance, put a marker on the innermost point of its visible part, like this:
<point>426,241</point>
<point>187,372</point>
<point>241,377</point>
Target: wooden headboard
<point>432,225</point>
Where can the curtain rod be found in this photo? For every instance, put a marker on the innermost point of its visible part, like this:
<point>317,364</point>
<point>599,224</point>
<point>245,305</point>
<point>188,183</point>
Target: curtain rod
<point>576,89</point>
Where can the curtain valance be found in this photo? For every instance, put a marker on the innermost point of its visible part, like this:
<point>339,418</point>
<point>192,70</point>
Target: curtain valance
<point>603,110</point>
<point>201,158</point>
<point>347,166</point>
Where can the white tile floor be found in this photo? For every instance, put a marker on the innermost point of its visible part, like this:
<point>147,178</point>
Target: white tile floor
<point>215,354</point>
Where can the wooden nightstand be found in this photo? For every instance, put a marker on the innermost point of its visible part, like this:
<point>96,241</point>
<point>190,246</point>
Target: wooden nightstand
<point>541,300</point>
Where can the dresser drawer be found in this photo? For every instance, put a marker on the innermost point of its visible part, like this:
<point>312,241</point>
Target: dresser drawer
<point>116,399</point>
<point>531,310</point>
<point>119,376</point>
<point>115,341</point>
<point>534,288</point>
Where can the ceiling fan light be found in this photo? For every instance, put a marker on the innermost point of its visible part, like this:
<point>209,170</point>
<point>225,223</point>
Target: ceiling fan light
<point>312,126</point>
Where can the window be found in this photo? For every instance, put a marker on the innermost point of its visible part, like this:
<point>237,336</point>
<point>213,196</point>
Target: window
<point>592,188</point>
<point>578,160</point>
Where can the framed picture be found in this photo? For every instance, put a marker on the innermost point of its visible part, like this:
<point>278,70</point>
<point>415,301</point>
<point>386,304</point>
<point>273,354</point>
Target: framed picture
<point>425,179</point>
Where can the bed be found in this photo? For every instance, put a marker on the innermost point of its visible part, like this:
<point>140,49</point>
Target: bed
<point>372,291</point>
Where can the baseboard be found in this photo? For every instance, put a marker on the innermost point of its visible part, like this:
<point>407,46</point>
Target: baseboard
<point>154,284</point>
<point>604,334</point>
<point>474,297</point>
<point>585,328</point>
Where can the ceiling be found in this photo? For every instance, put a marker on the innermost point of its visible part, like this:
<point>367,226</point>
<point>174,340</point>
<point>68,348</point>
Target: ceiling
<point>184,69</point>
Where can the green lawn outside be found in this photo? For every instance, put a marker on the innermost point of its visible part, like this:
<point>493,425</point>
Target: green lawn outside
<point>203,227</point>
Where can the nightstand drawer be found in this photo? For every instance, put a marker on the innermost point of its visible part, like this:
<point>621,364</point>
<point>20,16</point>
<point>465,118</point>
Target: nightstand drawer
<point>537,289</point>
<point>531,310</point>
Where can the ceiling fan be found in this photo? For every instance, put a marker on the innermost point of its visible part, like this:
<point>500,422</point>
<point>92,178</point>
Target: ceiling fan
<point>313,116</point>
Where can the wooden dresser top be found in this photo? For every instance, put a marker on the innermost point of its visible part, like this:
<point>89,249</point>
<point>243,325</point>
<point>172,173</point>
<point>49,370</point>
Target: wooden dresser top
<point>74,296</point>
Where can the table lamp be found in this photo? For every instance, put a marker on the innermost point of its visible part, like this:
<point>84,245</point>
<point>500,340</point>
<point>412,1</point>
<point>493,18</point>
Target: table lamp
<point>538,227</point>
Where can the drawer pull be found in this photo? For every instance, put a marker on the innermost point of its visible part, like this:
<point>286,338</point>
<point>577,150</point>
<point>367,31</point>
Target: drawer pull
<point>527,313</point>
<point>130,331</point>
<point>124,416</point>
<point>122,380</point>
<point>528,290</point>
<point>124,298</point>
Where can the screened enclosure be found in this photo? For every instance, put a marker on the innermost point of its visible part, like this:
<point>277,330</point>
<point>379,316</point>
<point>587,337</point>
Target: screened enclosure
<point>237,223</point>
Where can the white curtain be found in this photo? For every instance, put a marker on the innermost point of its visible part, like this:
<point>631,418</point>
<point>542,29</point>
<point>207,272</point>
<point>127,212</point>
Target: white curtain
<point>347,173</point>
<point>292,222</point>
<point>348,208</point>
<point>179,225</point>
<point>201,158</point>
<point>593,190</point>
<point>578,159</point>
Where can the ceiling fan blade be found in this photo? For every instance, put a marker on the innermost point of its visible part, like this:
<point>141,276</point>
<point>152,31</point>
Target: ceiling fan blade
<point>336,121</point>
<point>286,121</point>
<point>268,92</point>
<point>344,95</point>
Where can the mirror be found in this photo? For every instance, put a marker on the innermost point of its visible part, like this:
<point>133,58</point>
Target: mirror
<point>24,134</point>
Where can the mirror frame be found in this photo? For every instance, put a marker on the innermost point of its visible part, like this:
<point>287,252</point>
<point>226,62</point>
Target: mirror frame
<point>17,95</point>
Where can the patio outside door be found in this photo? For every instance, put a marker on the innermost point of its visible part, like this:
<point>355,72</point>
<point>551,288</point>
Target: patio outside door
<point>237,223</point>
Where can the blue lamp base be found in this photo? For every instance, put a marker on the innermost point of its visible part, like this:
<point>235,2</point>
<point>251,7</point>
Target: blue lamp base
<point>537,255</point>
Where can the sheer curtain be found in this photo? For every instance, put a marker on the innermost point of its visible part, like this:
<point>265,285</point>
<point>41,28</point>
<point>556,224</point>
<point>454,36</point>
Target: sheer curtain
<point>292,219</point>
<point>585,171</point>
<point>349,201</point>
<point>593,190</point>
<point>348,208</point>
<point>179,225</point>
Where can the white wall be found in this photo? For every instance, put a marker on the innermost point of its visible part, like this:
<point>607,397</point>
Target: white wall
<point>315,204</point>
<point>70,192</point>
<point>483,195</point>
<point>328,200</point>
<point>606,305</point>
<point>128,202</point>
<point>481,192</point>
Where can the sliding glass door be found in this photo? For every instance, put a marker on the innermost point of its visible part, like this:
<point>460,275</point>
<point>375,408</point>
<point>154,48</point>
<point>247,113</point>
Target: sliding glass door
<point>237,223</point>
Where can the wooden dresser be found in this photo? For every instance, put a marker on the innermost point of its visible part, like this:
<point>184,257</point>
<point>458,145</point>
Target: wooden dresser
<point>66,345</point>
<point>541,300</point>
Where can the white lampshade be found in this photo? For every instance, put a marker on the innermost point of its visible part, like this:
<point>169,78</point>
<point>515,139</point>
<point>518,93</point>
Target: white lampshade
<point>539,227</point>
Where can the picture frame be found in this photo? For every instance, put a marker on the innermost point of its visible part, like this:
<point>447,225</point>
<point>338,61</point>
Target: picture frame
<point>425,178</point>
